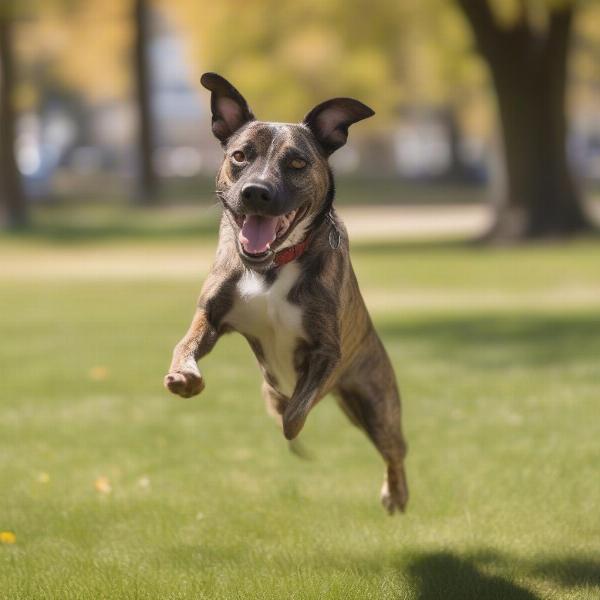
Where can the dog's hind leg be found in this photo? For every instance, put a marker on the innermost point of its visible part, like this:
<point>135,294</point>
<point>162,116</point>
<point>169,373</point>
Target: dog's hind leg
<point>276,404</point>
<point>372,403</point>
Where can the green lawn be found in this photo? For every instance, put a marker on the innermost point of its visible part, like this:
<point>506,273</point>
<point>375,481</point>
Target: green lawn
<point>498,356</point>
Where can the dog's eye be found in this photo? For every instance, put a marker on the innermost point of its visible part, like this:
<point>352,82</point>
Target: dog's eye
<point>297,163</point>
<point>238,156</point>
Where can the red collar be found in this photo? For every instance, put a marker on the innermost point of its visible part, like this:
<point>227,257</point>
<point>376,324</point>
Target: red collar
<point>283,257</point>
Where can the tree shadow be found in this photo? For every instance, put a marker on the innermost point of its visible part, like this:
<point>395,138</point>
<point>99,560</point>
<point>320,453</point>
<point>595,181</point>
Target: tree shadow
<point>498,341</point>
<point>376,248</point>
<point>478,244</point>
<point>74,233</point>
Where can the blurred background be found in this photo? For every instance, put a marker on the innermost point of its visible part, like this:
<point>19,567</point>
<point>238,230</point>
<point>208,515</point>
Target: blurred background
<point>496,103</point>
<point>472,200</point>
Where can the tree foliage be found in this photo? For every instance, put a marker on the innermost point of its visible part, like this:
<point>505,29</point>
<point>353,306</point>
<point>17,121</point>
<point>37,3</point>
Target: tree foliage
<point>286,56</point>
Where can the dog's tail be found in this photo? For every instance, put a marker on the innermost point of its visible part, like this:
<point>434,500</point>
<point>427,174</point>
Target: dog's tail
<point>297,448</point>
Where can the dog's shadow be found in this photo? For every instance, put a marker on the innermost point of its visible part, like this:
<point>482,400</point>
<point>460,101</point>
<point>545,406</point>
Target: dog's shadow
<point>442,574</point>
<point>438,575</point>
<point>489,575</point>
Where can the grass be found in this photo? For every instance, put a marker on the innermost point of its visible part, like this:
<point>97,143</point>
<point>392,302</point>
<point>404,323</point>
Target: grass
<point>497,353</point>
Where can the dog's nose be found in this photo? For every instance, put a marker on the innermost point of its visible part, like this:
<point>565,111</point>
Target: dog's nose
<point>256,194</point>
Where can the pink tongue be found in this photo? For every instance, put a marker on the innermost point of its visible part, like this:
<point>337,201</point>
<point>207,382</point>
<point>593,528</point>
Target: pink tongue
<point>257,233</point>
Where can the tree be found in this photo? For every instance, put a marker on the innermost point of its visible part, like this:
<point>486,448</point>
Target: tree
<point>288,56</point>
<point>103,32</point>
<point>12,195</point>
<point>406,57</point>
<point>444,77</point>
<point>45,41</point>
<point>527,59</point>
<point>148,179</point>
<point>405,54</point>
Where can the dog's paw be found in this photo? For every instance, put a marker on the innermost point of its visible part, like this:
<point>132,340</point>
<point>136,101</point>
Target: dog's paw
<point>394,492</point>
<point>185,384</point>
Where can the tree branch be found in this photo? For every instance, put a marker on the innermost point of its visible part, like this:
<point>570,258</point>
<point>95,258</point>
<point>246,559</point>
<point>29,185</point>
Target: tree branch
<point>483,23</point>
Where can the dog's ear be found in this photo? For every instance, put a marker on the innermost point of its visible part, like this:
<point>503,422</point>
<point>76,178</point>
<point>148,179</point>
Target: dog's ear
<point>229,109</point>
<point>329,121</point>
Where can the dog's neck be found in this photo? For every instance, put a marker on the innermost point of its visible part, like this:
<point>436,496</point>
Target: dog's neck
<point>295,251</point>
<point>287,255</point>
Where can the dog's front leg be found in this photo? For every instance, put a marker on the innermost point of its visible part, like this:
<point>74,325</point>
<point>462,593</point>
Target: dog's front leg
<point>311,385</point>
<point>184,377</point>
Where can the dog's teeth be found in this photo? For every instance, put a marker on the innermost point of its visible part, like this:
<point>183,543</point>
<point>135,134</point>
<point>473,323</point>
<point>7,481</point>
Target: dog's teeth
<point>284,223</point>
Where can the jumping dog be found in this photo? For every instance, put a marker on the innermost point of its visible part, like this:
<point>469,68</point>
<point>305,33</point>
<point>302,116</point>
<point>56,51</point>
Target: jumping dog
<point>282,277</point>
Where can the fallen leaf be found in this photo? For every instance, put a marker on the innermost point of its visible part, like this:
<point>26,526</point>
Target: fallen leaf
<point>7,537</point>
<point>102,485</point>
<point>98,373</point>
<point>144,482</point>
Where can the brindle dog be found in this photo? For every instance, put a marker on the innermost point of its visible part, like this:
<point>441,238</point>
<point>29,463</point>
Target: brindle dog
<point>282,278</point>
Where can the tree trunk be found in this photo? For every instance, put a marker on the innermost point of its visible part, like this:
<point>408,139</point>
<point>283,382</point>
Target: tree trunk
<point>147,178</point>
<point>529,72</point>
<point>12,196</point>
<point>457,170</point>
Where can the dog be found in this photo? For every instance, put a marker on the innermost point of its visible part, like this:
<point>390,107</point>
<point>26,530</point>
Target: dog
<point>282,277</point>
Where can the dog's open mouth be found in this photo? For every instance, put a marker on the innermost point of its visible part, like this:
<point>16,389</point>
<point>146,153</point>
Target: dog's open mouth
<point>259,233</point>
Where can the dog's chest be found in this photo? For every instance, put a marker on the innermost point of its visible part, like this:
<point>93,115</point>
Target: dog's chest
<point>263,312</point>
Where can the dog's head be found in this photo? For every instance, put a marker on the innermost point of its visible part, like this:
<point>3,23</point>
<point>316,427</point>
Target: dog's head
<point>275,181</point>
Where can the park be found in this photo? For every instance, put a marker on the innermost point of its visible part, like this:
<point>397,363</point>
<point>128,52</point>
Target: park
<point>112,488</point>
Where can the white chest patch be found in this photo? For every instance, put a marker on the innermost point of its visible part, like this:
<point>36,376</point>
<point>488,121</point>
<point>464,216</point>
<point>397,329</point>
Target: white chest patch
<point>263,312</point>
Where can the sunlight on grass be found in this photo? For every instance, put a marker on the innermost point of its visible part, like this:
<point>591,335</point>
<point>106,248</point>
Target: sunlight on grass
<point>113,489</point>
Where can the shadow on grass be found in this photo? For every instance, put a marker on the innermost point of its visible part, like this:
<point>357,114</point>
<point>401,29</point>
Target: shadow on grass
<point>148,225</point>
<point>66,233</point>
<point>491,575</point>
<point>432,575</point>
<point>500,341</point>
<point>571,572</point>
<point>374,249</point>
<point>74,222</point>
<point>446,576</point>
<point>377,248</point>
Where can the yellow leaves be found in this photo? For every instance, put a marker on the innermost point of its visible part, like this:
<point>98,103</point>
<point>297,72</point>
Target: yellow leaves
<point>312,49</point>
<point>367,71</point>
<point>43,478</point>
<point>507,12</point>
<point>85,50</point>
<point>7,537</point>
<point>98,373</point>
<point>144,482</point>
<point>102,485</point>
<point>535,12</point>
